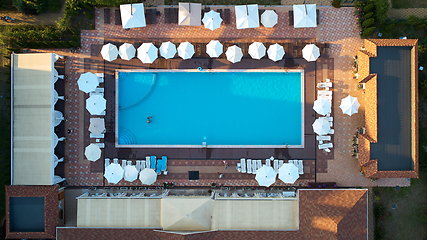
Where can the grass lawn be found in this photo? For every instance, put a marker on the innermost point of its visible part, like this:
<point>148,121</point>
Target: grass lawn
<point>409,3</point>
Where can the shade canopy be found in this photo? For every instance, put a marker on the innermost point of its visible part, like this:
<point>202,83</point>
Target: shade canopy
<point>133,15</point>
<point>114,173</point>
<point>148,176</point>
<point>167,50</point>
<point>127,51</point>
<point>185,50</point>
<point>257,50</point>
<point>97,125</point>
<point>57,117</point>
<point>269,18</point>
<point>88,82</point>
<point>322,106</point>
<point>92,152</point>
<point>131,174</point>
<point>276,52</point>
<point>288,173</point>
<point>234,54</point>
<point>212,20</point>
<point>265,176</point>
<point>214,49</point>
<point>305,16</point>
<point>147,53</point>
<point>109,52</point>
<point>310,52</point>
<point>247,16</point>
<point>349,105</point>
<point>96,104</point>
<point>321,126</point>
<point>189,14</point>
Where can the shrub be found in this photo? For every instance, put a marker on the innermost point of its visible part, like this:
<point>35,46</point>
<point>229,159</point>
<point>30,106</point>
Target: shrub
<point>368,22</point>
<point>368,31</point>
<point>389,27</point>
<point>54,5</point>
<point>381,10</point>
<point>336,3</point>
<point>368,15</point>
<point>419,26</point>
<point>368,7</point>
<point>57,44</point>
<point>18,4</point>
<point>72,7</point>
<point>88,7</point>
<point>88,15</point>
<point>413,20</point>
<point>74,44</point>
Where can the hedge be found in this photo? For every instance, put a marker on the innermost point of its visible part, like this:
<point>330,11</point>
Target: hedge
<point>368,7</point>
<point>368,15</point>
<point>368,22</point>
<point>368,31</point>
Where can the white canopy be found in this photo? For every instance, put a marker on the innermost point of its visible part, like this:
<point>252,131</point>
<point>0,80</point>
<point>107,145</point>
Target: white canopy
<point>109,52</point>
<point>212,20</point>
<point>321,126</point>
<point>148,176</point>
<point>131,174</point>
<point>310,52</point>
<point>92,152</point>
<point>190,14</point>
<point>276,52</point>
<point>214,49</point>
<point>97,125</point>
<point>322,106</point>
<point>265,176</point>
<point>88,82</point>
<point>257,50</point>
<point>288,173</point>
<point>147,53</point>
<point>305,16</point>
<point>127,51</point>
<point>349,105</point>
<point>56,139</point>
<point>185,50</point>
<point>113,173</point>
<point>234,54</point>
<point>247,16</point>
<point>96,104</point>
<point>57,117</point>
<point>269,18</point>
<point>167,50</point>
<point>133,15</point>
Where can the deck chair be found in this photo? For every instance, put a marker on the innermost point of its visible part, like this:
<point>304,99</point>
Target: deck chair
<point>100,145</point>
<point>147,162</point>
<point>280,163</point>
<point>138,165</point>
<point>268,162</point>
<point>243,165</point>
<point>300,167</point>
<point>323,138</point>
<point>276,165</point>
<point>331,131</point>
<point>249,165</point>
<point>164,163</point>
<point>153,162</point>
<point>254,166</point>
<point>159,166</point>
<point>124,163</point>
<point>97,135</point>
<point>129,163</point>
<point>326,145</point>
<point>100,77</point>
<point>259,164</point>
<point>107,162</point>
<point>116,160</point>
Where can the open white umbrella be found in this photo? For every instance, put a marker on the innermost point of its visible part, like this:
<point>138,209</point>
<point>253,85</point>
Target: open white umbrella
<point>96,104</point>
<point>266,176</point>
<point>234,54</point>
<point>167,50</point>
<point>257,50</point>
<point>92,152</point>
<point>310,52</point>
<point>57,139</point>
<point>321,126</point>
<point>127,51</point>
<point>247,16</point>
<point>88,82</point>
<point>133,15</point>
<point>97,125</point>
<point>57,117</point>
<point>305,16</point>
<point>109,52</point>
<point>189,14</point>
<point>185,50</point>
<point>349,105</point>
<point>113,173</point>
<point>275,52</point>
<point>288,173</point>
<point>212,20</point>
<point>322,106</point>
<point>269,18</point>
<point>214,49</point>
<point>147,53</point>
<point>131,174</point>
<point>148,176</point>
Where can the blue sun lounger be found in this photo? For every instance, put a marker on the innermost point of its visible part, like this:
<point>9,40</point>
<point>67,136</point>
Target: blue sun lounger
<point>153,162</point>
<point>164,162</point>
<point>159,166</point>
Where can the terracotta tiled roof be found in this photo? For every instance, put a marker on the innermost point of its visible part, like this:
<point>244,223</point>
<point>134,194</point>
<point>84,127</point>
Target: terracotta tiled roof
<point>104,233</point>
<point>364,154</point>
<point>363,64</point>
<point>390,43</point>
<point>371,108</point>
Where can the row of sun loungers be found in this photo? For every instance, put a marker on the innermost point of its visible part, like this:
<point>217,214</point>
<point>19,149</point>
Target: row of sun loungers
<point>325,94</point>
<point>149,162</point>
<point>252,166</point>
<point>284,194</point>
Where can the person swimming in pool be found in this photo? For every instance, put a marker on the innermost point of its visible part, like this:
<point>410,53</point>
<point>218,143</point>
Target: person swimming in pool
<point>149,119</point>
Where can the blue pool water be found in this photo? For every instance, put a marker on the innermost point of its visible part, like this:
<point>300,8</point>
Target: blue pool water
<point>219,108</point>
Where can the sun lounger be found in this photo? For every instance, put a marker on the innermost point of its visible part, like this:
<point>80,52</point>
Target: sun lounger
<point>164,163</point>
<point>142,166</point>
<point>147,162</point>
<point>138,165</point>
<point>243,165</point>
<point>259,164</point>
<point>323,138</point>
<point>124,163</point>
<point>100,145</point>
<point>98,91</point>
<point>300,167</point>
<point>331,131</point>
<point>276,165</point>
<point>268,162</point>
<point>254,166</point>
<point>97,135</point>
<point>159,166</point>
<point>107,162</point>
<point>153,162</point>
<point>116,160</point>
<point>249,165</point>
<point>326,145</point>
<point>100,77</point>
<point>280,163</point>
<point>129,163</point>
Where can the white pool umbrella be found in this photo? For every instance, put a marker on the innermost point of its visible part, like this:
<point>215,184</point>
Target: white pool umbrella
<point>97,125</point>
<point>275,52</point>
<point>257,50</point>
<point>349,105</point>
<point>234,54</point>
<point>288,173</point>
<point>131,174</point>
<point>265,176</point>
<point>113,173</point>
<point>167,50</point>
<point>185,50</point>
<point>57,118</point>
<point>310,52</point>
<point>88,82</point>
<point>92,152</point>
<point>305,16</point>
<point>57,139</point>
<point>321,126</point>
<point>212,20</point>
<point>133,15</point>
<point>189,14</point>
<point>322,106</point>
<point>269,18</point>
<point>147,53</point>
<point>127,51</point>
<point>214,49</point>
<point>109,52</point>
<point>96,104</point>
<point>247,16</point>
<point>148,176</point>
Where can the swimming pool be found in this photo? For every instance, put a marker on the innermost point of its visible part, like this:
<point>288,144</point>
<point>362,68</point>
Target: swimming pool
<point>226,109</point>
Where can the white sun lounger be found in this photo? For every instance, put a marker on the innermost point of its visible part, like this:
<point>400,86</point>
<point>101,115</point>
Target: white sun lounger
<point>100,145</point>
<point>331,131</point>
<point>129,163</point>
<point>268,162</point>
<point>98,91</point>
<point>107,162</point>
<point>100,77</point>
<point>243,165</point>
<point>254,166</point>
<point>147,162</point>
<point>259,164</point>
<point>124,163</point>
<point>249,165</point>
<point>142,166</point>
<point>323,138</point>
<point>138,165</point>
<point>326,145</point>
<point>300,167</point>
<point>280,163</point>
<point>276,165</point>
<point>96,135</point>
<point>116,160</point>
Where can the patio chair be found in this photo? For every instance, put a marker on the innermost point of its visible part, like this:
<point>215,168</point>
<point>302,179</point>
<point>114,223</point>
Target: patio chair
<point>249,165</point>
<point>147,162</point>
<point>326,145</point>
<point>280,163</point>
<point>116,160</point>
<point>153,162</point>
<point>268,162</point>
<point>276,165</point>
<point>323,138</point>
<point>107,162</point>
<point>243,165</point>
<point>142,166</point>
<point>300,167</point>
<point>138,165</point>
<point>124,163</point>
